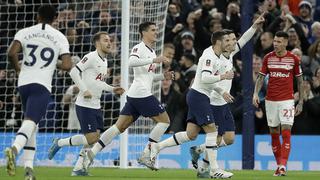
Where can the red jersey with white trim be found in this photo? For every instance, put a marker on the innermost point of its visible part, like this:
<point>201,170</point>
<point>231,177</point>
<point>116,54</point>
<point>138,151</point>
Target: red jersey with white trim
<point>281,71</point>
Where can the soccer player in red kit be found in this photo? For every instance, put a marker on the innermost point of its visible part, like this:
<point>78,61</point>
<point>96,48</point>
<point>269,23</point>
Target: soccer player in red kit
<point>281,66</point>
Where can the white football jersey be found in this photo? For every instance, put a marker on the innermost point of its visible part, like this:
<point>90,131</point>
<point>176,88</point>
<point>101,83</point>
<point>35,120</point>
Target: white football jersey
<point>144,74</point>
<point>41,46</point>
<point>93,69</point>
<point>226,64</point>
<point>209,62</point>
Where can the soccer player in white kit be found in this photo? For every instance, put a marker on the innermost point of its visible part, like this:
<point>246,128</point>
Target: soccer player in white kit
<point>281,66</point>
<point>140,100</point>
<point>41,45</point>
<point>198,99</point>
<point>89,75</point>
<point>220,97</point>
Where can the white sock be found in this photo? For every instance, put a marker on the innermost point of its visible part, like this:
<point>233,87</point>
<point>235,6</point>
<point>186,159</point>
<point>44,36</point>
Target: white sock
<point>176,139</point>
<point>24,134</point>
<point>211,149</point>
<point>222,143</point>
<point>79,163</point>
<point>75,140</point>
<point>155,136</point>
<point>105,139</point>
<point>29,150</point>
<point>200,149</point>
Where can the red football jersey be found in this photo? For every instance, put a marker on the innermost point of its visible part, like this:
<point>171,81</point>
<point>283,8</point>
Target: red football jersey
<point>281,71</point>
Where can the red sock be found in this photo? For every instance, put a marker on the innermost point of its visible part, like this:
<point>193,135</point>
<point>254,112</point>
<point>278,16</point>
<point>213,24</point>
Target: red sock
<point>276,147</point>
<point>286,146</point>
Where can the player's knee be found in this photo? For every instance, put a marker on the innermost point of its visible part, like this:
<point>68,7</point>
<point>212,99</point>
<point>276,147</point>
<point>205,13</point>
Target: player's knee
<point>92,138</point>
<point>192,136</point>
<point>228,141</point>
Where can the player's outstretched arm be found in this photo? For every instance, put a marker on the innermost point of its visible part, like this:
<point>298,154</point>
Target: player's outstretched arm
<point>257,88</point>
<point>66,62</point>
<point>13,53</point>
<point>250,32</point>
<point>136,61</point>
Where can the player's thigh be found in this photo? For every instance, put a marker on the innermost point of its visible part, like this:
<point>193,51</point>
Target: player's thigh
<point>90,119</point>
<point>272,112</point>
<point>192,130</point>
<point>129,110</point>
<point>163,117</point>
<point>209,128</point>
<point>37,98</point>
<point>228,137</point>
<point>149,107</point>
<point>123,122</point>
<point>286,112</point>
<point>199,110</point>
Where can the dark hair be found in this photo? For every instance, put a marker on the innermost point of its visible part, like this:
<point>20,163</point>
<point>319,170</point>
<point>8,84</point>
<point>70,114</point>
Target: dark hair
<point>96,36</point>
<point>144,26</point>
<point>228,31</point>
<point>47,13</point>
<point>217,35</point>
<point>189,56</point>
<point>282,34</point>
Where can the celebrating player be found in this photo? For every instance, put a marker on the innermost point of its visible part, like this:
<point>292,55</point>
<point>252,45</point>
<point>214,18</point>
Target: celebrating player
<point>41,45</point>
<point>198,99</point>
<point>221,96</point>
<point>93,70</point>
<point>281,66</point>
<point>140,100</point>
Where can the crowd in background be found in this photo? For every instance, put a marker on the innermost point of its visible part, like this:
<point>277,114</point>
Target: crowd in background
<point>189,25</point>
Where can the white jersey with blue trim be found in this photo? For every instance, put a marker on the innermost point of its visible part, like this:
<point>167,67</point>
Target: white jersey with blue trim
<point>226,64</point>
<point>94,70</point>
<point>141,59</point>
<point>208,63</point>
<point>41,45</point>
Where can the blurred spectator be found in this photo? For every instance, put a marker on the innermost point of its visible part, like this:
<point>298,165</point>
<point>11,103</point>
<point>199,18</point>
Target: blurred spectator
<point>187,73</point>
<point>186,45</point>
<point>315,28</point>
<point>69,99</point>
<point>172,100</point>
<point>169,52</point>
<point>305,18</point>
<point>265,45</point>
<point>314,55</point>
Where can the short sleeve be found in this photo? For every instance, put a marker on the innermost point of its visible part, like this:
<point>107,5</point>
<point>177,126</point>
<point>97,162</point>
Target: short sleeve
<point>297,66</point>
<point>64,46</point>
<point>264,69</point>
<point>70,90</point>
<point>19,37</point>
<point>136,51</point>
<point>84,64</point>
<point>207,65</point>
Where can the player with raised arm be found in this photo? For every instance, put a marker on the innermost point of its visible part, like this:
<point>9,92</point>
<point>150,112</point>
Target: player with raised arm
<point>41,45</point>
<point>140,100</point>
<point>220,97</point>
<point>281,66</point>
<point>198,99</point>
<point>89,75</point>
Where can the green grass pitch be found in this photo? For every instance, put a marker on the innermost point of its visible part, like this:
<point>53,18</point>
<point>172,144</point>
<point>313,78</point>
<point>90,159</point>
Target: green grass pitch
<point>50,173</point>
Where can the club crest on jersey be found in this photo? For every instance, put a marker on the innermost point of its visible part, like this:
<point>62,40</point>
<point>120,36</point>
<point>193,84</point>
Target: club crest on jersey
<point>208,62</point>
<point>84,60</point>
